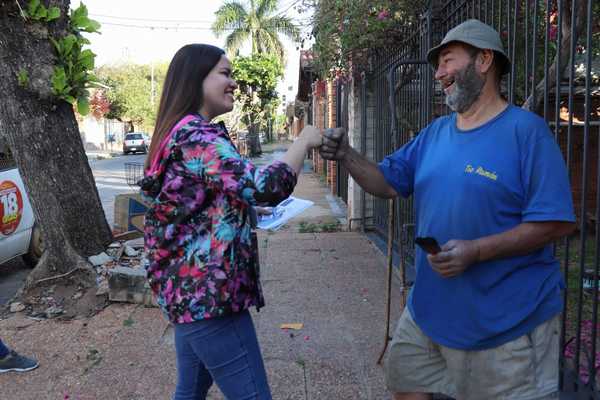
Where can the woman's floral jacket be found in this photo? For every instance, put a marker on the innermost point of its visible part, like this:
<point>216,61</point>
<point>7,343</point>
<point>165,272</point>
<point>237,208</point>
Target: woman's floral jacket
<point>201,263</point>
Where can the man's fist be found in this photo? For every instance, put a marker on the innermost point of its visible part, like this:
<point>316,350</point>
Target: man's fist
<point>456,256</point>
<point>335,144</point>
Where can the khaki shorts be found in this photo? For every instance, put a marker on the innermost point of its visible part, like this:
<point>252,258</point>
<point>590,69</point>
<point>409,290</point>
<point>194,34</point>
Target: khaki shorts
<point>526,368</point>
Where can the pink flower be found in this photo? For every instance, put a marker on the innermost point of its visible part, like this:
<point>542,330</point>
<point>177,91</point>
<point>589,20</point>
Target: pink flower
<point>383,14</point>
<point>552,32</point>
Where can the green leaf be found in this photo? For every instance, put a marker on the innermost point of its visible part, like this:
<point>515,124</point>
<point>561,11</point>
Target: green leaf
<point>53,13</point>
<point>80,76</point>
<point>79,16</point>
<point>68,42</point>
<point>86,59</point>
<point>59,80</point>
<point>32,7</point>
<point>81,22</point>
<point>41,13</point>
<point>23,78</point>
<point>83,105</point>
<point>92,26</point>
<point>69,99</point>
<point>57,45</point>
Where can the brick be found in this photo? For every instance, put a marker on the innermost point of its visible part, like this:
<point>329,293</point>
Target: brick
<point>129,285</point>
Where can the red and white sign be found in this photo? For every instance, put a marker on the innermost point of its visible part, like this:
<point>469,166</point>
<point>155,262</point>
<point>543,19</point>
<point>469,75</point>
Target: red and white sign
<point>11,207</point>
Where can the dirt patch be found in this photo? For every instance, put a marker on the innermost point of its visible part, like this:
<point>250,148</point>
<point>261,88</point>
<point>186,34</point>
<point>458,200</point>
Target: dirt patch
<point>64,299</point>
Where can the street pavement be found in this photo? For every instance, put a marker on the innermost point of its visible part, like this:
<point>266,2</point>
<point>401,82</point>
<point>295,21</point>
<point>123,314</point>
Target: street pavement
<point>331,283</point>
<point>111,180</point>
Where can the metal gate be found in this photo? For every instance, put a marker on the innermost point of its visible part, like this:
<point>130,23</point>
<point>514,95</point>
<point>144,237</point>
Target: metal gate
<point>555,48</point>
<point>341,120</point>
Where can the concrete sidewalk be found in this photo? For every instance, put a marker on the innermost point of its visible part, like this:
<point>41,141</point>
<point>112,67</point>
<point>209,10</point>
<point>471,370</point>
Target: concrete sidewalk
<point>332,283</point>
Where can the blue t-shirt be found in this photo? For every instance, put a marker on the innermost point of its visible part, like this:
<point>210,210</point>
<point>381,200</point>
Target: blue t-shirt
<point>475,183</point>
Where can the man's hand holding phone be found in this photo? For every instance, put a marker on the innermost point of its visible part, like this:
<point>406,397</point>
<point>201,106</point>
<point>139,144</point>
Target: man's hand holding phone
<point>453,258</point>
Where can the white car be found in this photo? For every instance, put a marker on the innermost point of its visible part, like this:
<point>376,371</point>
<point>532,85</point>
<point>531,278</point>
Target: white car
<point>19,234</point>
<point>136,141</point>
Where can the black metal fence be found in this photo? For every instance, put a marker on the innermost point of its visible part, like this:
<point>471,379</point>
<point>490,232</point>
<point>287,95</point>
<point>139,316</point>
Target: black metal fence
<point>341,114</point>
<point>555,48</point>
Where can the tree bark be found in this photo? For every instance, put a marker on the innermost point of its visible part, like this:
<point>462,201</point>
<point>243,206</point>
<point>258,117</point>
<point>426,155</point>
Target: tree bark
<point>252,140</point>
<point>561,60</point>
<point>43,135</point>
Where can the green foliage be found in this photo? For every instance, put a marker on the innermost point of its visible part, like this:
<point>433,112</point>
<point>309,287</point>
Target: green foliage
<point>23,78</point>
<point>257,78</point>
<point>72,75</point>
<point>309,227</point>
<point>38,12</point>
<point>256,21</point>
<point>81,23</point>
<point>130,90</point>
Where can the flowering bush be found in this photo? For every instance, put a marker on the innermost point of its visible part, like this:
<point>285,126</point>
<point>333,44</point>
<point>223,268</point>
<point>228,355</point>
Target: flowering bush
<point>346,30</point>
<point>99,104</point>
<point>586,345</point>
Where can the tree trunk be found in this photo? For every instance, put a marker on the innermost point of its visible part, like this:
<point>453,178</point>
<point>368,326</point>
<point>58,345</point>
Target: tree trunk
<point>253,141</point>
<point>44,137</point>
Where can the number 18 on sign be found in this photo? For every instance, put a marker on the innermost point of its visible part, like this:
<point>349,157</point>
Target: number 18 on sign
<point>11,207</point>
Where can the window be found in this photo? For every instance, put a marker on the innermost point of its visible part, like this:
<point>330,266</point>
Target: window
<point>7,160</point>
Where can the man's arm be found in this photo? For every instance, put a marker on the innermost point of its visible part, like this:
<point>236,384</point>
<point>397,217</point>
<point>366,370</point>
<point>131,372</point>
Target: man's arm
<point>367,174</point>
<point>457,255</point>
<point>364,171</point>
<point>523,239</point>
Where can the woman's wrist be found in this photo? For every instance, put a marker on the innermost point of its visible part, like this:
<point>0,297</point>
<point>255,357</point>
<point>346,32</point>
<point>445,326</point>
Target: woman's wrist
<point>302,143</point>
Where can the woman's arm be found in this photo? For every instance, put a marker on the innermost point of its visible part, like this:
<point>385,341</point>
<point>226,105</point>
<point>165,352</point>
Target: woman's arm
<point>309,138</point>
<point>210,154</point>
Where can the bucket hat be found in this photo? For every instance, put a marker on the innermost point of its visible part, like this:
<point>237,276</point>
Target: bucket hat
<point>474,33</point>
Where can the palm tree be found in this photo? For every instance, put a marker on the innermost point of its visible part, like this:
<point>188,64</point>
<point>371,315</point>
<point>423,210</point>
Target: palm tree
<point>256,21</point>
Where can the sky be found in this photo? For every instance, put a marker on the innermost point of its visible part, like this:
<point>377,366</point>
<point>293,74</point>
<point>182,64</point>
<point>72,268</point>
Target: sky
<point>153,30</point>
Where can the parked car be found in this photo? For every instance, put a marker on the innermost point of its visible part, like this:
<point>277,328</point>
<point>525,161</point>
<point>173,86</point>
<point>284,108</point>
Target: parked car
<point>136,141</point>
<point>19,234</point>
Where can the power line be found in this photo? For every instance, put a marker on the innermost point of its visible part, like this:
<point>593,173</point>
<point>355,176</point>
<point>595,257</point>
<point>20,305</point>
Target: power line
<point>159,27</point>
<point>284,12</point>
<point>169,22</point>
<point>151,19</point>
<point>177,21</point>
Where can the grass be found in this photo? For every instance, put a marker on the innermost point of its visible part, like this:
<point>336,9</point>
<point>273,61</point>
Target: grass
<point>308,227</point>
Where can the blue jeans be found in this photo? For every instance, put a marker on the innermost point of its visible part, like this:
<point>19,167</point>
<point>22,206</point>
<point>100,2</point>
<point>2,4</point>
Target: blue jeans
<point>225,350</point>
<point>3,350</point>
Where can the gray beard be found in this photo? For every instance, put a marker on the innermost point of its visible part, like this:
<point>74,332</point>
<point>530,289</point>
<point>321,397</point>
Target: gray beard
<point>467,89</point>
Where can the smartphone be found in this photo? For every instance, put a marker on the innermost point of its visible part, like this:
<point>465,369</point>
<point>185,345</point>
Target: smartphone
<point>428,244</point>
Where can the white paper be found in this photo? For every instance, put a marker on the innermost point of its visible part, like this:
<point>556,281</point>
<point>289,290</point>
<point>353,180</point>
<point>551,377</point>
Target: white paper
<point>283,212</point>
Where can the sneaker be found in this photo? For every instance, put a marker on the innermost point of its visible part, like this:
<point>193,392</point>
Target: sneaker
<point>16,362</point>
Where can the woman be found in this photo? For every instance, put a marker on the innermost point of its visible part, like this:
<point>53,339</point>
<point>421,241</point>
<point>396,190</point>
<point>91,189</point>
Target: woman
<point>201,261</point>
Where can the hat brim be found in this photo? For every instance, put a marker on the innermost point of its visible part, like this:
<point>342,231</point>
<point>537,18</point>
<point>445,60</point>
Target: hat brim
<point>434,53</point>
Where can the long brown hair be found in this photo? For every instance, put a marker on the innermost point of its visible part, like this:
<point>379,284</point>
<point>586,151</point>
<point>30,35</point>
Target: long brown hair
<point>182,89</point>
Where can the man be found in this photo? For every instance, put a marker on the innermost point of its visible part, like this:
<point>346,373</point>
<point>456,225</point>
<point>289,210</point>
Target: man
<point>10,360</point>
<point>489,183</point>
